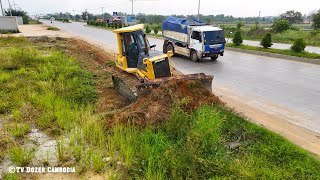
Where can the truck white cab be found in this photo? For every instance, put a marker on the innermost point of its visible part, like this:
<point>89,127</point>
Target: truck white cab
<point>193,39</point>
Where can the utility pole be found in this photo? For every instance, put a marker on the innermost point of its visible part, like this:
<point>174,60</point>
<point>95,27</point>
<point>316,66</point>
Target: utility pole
<point>132,5</point>
<point>199,11</point>
<point>1,8</point>
<point>10,9</point>
<point>74,16</point>
<point>102,15</point>
<point>87,16</point>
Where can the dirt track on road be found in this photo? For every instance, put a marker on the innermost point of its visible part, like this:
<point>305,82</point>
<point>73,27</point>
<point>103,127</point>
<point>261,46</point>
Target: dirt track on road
<point>305,138</point>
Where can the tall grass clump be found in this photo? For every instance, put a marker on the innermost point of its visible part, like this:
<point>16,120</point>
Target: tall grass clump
<point>21,156</point>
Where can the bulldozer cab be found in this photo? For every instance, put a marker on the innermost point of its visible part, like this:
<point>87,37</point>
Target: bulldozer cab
<point>135,46</point>
<point>135,54</point>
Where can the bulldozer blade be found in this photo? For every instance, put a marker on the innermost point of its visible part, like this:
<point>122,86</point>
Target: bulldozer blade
<point>131,90</point>
<point>146,87</point>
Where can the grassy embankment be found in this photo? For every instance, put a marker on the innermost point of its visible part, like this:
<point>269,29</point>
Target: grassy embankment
<point>251,32</point>
<point>48,89</point>
<point>277,51</point>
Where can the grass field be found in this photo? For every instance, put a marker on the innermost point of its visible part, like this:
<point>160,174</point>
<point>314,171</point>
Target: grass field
<point>251,32</point>
<point>62,94</point>
<point>277,51</point>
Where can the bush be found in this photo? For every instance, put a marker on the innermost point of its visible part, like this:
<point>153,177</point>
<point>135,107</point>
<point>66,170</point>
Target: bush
<point>299,45</point>
<point>280,26</point>
<point>240,25</point>
<point>237,40</point>
<point>155,30</point>
<point>257,31</point>
<point>116,25</point>
<point>25,19</point>
<point>148,30</point>
<point>120,25</point>
<point>266,42</point>
<point>316,20</point>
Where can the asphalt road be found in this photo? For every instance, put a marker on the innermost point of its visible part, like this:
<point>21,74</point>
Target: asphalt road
<point>286,89</point>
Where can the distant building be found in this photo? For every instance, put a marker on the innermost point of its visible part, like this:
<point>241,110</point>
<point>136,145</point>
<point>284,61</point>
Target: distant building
<point>126,20</point>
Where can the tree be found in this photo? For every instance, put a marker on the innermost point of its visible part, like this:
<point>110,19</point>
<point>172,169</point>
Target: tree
<point>298,45</point>
<point>316,20</point>
<point>90,16</point>
<point>266,42</point>
<point>240,25</point>
<point>18,12</point>
<point>237,40</point>
<point>155,30</point>
<point>280,26</point>
<point>148,30</point>
<point>292,16</point>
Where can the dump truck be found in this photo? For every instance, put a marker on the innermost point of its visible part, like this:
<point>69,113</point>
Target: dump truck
<point>192,38</point>
<point>150,68</point>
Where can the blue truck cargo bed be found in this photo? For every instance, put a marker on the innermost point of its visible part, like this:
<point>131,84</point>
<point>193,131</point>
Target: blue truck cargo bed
<point>179,24</point>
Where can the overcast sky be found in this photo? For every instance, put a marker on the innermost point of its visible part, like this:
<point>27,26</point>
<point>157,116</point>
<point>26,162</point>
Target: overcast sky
<point>237,8</point>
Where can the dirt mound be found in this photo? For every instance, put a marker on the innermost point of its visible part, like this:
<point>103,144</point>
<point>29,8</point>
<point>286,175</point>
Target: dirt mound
<point>156,107</point>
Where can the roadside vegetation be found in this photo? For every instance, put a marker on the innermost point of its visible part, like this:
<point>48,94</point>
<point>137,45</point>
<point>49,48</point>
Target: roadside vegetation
<point>288,52</point>
<point>282,30</point>
<point>65,90</point>
<point>53,29</point>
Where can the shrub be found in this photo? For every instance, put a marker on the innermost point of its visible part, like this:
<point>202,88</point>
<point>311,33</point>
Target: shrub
<point>298,45</point>
<point>316,20</point>
<point>266,42</point>
<point>116,25</point>
<point>155,30</point>
<point>237,40</point>
<point>25,19</point>
<point>280,26</point>
<point>120,25</point>
<point>240,25</point>
<point>257,31</point>
<point>148,30</point>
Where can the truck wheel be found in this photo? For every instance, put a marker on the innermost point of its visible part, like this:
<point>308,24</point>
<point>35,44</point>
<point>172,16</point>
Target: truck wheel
<point>194,56</point>
<point>214,57</point>
<point>170,47</point>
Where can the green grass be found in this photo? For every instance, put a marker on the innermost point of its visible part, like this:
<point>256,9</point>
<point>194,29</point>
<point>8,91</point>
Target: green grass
<point>34,22</point>
<point>53,29</point>
<point>193,146</point>
<point>21,156</point>
<point>289,37</point>
<point>277,51</point>
<point>19,130</point>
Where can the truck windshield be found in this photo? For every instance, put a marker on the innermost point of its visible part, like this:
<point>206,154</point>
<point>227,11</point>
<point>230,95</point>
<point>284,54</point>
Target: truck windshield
<point>213,37</point>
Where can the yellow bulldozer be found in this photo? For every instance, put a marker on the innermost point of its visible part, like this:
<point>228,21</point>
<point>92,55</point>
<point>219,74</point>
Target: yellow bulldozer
<point>150,68</point>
